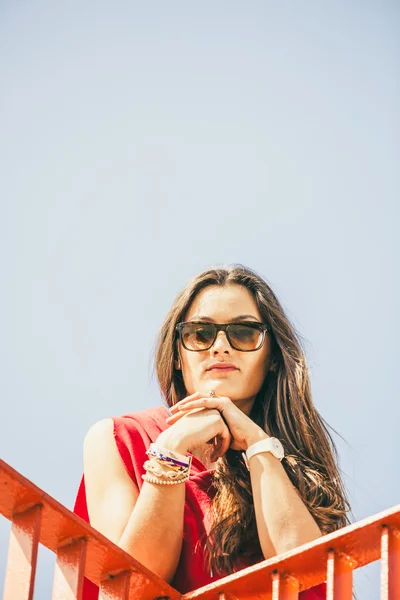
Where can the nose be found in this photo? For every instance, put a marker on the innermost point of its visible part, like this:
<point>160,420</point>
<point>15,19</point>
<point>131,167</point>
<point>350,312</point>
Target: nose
<point>221,344</point>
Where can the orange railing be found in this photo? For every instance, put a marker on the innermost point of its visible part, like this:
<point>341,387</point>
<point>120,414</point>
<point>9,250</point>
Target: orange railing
<point>39,519</point>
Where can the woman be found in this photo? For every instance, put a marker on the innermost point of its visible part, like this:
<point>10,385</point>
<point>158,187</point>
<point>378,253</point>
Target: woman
<point>240,467</point>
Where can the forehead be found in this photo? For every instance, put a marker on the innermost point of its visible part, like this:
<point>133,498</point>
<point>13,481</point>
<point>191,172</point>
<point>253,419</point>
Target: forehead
<point>223,303</point>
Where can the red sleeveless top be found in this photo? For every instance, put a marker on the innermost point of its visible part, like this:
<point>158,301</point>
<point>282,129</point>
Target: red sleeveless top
<point>133,434</point>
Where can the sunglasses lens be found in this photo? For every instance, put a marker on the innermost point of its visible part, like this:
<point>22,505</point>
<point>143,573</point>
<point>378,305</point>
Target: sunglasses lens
<point>244,337</point>
<point>198,336</point>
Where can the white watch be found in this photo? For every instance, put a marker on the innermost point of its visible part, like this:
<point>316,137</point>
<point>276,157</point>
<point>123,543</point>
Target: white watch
<point>271,444</point>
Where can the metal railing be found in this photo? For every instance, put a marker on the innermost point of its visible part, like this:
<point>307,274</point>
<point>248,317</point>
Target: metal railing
<point>81,551</point>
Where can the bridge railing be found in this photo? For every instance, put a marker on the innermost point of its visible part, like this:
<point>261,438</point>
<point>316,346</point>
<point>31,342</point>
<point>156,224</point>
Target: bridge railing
<point>37,518</point>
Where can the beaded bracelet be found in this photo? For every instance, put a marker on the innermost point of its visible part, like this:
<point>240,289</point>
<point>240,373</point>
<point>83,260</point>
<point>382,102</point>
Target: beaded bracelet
<point>177,465</point>
<point>160,482</point>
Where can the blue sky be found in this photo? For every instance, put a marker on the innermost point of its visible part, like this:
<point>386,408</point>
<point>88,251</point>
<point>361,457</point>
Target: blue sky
<point>142,142</point>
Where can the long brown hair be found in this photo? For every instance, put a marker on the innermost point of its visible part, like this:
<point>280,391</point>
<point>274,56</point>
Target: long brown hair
<point>283,408</point>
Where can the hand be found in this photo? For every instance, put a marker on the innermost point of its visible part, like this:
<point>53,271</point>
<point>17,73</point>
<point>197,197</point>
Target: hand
<point>243,430</point>
<point>194,428</point>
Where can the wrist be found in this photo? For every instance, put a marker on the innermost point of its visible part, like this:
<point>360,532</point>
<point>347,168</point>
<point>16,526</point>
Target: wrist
<point>255,436</point>
<point>172,443</point>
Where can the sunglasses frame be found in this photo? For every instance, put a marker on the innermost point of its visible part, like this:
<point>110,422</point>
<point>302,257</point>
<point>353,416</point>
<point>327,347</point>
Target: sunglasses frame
<point>225,328</point>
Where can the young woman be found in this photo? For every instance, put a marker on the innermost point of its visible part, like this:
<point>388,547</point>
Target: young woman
<point>240,467</point>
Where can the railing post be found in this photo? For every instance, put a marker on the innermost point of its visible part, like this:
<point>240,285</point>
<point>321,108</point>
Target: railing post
<point>390,563</point>
<point>35,516</point>
<point>284,587</point>
<point>115,587</point>
<point>69,571</point>
<point>339,576</point>
<point>22,554</point>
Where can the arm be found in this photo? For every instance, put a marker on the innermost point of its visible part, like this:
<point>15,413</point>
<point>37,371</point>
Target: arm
<point>283,520</point>
<point>138,523</point>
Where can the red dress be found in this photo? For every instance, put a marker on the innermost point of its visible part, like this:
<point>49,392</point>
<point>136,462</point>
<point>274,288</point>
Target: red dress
<point>133,434</point>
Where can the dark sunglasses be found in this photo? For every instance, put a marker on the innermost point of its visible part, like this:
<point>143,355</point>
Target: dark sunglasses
<point>246,337</point>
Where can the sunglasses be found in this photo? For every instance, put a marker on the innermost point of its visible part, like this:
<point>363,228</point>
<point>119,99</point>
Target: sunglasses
<point>246,337</point>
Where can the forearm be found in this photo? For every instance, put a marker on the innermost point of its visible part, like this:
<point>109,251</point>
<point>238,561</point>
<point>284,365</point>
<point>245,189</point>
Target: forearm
<point>283,520</point>
<point>154,532</point>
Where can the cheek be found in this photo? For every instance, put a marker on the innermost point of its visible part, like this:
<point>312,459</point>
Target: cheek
<point>258,368</point>
<point>190,368</point>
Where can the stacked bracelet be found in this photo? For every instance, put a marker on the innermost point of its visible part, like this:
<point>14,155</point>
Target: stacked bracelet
<point>166,467</point>
<point>154,467</point>
<point>169,456</point>
<point>162,482</point>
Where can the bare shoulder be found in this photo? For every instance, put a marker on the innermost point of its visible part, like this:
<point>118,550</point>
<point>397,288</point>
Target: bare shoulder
<point>100,451</point>
<point>111,494</point>
<point>101,431</point>
<point>100,438</point>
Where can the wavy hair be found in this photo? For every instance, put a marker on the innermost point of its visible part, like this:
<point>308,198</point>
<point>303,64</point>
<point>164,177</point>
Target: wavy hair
<point>283,408</point>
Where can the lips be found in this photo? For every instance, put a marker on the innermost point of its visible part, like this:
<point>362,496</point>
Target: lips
<point>222,367</point>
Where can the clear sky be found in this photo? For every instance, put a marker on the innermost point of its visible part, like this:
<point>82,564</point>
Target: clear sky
<point>143,141</point>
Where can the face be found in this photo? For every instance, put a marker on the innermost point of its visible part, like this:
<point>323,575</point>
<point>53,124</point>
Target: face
<point>242,381</point>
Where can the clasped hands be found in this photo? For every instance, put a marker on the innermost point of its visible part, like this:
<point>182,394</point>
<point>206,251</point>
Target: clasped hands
<point>243,430</point>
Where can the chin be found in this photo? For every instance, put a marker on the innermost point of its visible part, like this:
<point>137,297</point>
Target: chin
<point>221,389</point>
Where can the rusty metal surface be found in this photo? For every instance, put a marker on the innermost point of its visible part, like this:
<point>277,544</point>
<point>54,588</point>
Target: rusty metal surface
<point>390,564</point>
<point>116,587</point>
<point>22,555</point>
<point>339,576</point>
<point>60,526</point>
<point>308,563</point>
<point>284,587</point>
<point>280,577</point>
<point>69,571</point>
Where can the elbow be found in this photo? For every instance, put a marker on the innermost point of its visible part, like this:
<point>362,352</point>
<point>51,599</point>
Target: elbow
<point>289,540</point>
<point>160,565</point>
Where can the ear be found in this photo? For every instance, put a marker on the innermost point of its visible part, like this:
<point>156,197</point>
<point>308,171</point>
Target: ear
<point>177,364</point>
<point>273,366</point>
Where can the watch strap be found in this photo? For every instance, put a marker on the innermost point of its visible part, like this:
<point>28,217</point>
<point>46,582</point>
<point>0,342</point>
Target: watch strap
<point>266,445</point>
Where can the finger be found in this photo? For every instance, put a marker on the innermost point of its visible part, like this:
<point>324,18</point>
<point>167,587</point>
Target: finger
<point>202,403</point>
<point>216,451</point>
<point>183,408</point>
<point>174,418</point>
<point>224,441</point>
<point>188,398</point>
<point>213,441</point>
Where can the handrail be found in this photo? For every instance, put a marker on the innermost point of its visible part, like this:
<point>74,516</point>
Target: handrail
<point>331,558</point>
<point>81,550</point>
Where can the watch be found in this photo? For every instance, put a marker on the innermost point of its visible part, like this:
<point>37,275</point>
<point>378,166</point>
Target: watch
<point>271,444</point>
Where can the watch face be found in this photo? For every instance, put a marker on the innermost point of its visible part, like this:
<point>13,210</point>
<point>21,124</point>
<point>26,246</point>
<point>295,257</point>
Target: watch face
<point>278,449</point>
